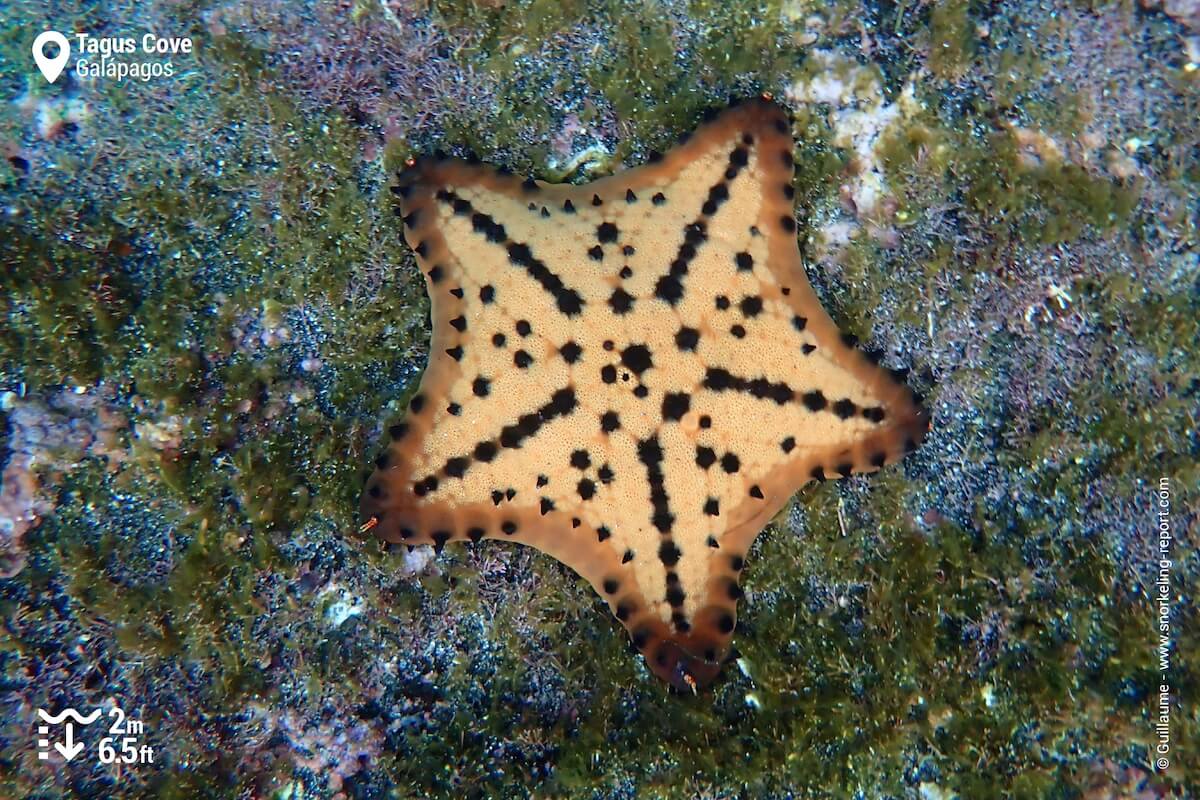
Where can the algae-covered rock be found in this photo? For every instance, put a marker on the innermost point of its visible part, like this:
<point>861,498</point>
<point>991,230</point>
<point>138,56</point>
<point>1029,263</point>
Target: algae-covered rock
<point>210,320</point>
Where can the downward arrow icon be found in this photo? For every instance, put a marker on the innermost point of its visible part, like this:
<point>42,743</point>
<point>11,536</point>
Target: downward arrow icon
<point>69,748</point>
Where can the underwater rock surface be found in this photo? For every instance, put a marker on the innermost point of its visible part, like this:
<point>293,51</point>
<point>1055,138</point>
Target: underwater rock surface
<point>210,318</point>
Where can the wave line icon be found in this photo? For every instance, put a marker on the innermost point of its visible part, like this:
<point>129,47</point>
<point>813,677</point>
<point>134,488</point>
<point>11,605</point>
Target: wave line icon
<point>72,713</point>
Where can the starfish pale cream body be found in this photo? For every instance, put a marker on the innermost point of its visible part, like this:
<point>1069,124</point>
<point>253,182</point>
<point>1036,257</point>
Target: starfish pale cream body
<point>632,376</point>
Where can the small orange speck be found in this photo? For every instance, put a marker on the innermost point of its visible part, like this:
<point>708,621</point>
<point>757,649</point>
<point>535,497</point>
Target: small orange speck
<point>368,525</point>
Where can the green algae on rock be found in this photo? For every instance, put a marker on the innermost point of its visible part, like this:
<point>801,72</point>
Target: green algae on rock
<point>975,625</point>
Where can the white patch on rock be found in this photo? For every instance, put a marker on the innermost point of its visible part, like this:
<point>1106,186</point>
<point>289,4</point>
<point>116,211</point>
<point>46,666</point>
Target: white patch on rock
<point>418,560</point>
<point>859,118</point>
<point>931,791</point>
<point>341,604</point>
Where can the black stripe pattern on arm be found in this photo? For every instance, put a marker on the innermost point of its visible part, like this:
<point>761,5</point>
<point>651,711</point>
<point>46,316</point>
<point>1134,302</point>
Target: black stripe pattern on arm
<point>561,404</point>
<point>669,287</point>
<point>520,255</point>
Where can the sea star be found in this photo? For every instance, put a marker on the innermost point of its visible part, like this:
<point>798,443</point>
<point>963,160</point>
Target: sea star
<point>632,376</point>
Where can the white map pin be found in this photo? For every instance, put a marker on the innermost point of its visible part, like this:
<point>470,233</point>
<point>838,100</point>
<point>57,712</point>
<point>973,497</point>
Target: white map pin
<point>51,67</point>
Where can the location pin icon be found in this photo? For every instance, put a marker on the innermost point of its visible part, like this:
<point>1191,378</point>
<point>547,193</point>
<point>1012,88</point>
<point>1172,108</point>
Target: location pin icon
<point>51,67</point>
